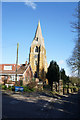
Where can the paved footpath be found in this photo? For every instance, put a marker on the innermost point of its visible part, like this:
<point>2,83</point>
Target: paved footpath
<point>40,105</point>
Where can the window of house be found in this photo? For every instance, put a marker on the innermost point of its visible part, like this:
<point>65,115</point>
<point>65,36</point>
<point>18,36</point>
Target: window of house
<point>17,78</point>
<point>8,67</point>
<point>13,78</point>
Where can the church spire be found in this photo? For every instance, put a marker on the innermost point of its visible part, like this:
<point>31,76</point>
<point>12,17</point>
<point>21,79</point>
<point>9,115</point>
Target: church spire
<point>38,31</point>
<point>38,39</point>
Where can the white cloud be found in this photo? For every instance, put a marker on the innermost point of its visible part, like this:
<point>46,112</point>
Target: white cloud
<point>61,62</point>
<point>27,2</point>
<point>31,4</point>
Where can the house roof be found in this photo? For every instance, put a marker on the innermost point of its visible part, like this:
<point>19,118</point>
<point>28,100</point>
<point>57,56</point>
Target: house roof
<point>20,69</point>
<point>8,67</point>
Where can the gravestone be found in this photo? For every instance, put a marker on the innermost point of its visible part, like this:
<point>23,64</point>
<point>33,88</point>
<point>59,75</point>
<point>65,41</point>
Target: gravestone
<point>65,91</point>
<point>54,87</point>
<point>61,87</point>
<point>57,87</point>
<point>69,90</point>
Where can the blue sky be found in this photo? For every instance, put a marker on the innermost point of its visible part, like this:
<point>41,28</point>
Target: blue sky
<point>19,23</point>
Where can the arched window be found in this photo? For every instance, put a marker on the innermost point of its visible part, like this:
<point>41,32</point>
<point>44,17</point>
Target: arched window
<point>36,49</point>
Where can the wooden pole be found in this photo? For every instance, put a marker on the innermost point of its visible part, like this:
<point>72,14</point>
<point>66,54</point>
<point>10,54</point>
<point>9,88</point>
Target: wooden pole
<point>17,60</point>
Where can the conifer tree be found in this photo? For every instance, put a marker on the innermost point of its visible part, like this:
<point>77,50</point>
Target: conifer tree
<point>53,73</point>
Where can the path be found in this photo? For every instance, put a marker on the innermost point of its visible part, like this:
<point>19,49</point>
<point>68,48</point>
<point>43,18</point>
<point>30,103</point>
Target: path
<point>40,105</point>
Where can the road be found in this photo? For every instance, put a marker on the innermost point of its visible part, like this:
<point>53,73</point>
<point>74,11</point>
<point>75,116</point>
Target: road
<point>40,105</point>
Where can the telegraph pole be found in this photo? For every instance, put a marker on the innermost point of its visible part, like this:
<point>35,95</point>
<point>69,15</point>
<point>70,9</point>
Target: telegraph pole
<point>17,61</point>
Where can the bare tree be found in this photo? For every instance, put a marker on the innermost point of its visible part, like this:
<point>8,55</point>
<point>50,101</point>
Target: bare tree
<point>74,60</point>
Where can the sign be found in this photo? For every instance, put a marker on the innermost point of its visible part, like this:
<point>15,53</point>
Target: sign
<point>8,67</point>
<point>18,88</point>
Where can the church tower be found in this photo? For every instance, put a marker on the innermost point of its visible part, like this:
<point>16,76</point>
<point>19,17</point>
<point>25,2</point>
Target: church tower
<point>37,56</point>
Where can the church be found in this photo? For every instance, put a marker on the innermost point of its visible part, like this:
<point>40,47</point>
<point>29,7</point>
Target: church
<point>37,56</point>
<point>37,66</point>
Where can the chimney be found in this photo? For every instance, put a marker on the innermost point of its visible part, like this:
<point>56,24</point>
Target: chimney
<point>26,63</point>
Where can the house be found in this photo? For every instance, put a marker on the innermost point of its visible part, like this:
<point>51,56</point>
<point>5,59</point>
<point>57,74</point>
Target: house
<point>9,75</point>
<point>24,73</point>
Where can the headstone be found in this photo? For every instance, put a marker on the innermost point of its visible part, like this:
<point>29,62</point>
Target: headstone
<point>57,87</point>
<point>40,85</point>
<point>69,90</point>
<point>61,87</point>
<point>72,90</point>
<point>65,90</point>
<point>54,87</point>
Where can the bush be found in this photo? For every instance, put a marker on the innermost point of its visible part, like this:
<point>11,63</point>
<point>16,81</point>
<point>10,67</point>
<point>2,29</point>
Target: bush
<point>65,86</point>
<point>13,88</point>
<point>4,87</point>
<point>33,79</point>
<point>31,85</point>
<point>46,86</point>
<point>75,89</point>
<point>71,87</point>
<point>32,89</point>
<point>27,89</point>
<point>9,88</point>
<point>21,82</point>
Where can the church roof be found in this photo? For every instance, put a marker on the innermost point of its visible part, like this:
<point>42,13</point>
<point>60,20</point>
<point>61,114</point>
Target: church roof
<point>38,39</point>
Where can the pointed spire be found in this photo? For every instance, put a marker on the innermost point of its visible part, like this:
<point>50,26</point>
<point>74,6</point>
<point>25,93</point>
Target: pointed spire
<point>39,24</point>
<point>38,31</point>
<point>38,36</point>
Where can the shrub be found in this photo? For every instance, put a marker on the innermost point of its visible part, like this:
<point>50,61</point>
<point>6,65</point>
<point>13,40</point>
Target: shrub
<point>71,87</point>
<point>33,79</point>
<point>46,86</point>
<point>4,87</point>
<point>13,88</point>
<point>21,82</point>
<point>9,88</point>
<point>32,89</point>
<point>65,86</point>
<point>75,89</point>
<point>28,89</point>
<point>31,85</point>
